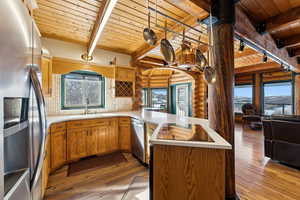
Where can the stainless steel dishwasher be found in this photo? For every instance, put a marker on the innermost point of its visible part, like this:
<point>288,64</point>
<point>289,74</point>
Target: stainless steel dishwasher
<point>138,139</point>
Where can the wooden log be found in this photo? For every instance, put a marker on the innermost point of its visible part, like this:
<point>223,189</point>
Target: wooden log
<point>280,21</point>
<point>297,94</point>
<point>257,92</point>
<point>220,94</point>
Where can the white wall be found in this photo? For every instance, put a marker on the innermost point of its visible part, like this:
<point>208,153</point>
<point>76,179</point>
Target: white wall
<point>58,48</point>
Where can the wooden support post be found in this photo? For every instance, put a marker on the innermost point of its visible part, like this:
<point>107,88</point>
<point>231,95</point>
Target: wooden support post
<point>220,94</point>
<point>257,92</point>
<point>297,93</point>
<point>137,97</point>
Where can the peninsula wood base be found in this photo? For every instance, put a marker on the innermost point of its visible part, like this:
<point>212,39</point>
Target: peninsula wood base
<point>187,173</point>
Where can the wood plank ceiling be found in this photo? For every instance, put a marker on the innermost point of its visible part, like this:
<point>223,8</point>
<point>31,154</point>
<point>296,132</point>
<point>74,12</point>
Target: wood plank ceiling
<point>280,18</point>
<point>70,20</point>
<point>74,20</point>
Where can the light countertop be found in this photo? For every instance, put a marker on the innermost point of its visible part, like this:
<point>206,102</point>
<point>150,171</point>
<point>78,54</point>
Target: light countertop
<point>158,118</point>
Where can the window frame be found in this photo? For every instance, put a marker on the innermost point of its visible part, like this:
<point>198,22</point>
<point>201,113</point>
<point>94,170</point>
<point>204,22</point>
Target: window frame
<point>172,103</point>
<point>253,94</point>
<point>146,92</point>
<point>84,74</point>
<point>280,81</point>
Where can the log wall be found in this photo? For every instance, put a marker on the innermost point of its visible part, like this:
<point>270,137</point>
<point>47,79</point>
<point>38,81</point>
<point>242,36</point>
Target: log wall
<point>166,79</point>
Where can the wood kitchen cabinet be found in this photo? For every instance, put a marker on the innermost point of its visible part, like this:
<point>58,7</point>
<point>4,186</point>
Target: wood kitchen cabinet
<point>77,143</point>
<point>77,139</point>
<point>46,166</point>
<point>92,137</point>
<point>58,146</point>
<point>125,74</point>
<point>46,69</point>
<point>97,139</point>
<point>112,137</point>
<point>125,134</point>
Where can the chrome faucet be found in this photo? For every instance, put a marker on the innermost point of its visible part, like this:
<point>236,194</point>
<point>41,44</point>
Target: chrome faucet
<point>87,102</point>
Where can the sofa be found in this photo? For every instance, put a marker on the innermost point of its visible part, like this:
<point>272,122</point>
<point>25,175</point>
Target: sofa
<point>282,139</point>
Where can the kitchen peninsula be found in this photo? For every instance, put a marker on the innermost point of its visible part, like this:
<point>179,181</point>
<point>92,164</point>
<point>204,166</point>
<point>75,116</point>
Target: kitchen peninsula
<point>183,148</point>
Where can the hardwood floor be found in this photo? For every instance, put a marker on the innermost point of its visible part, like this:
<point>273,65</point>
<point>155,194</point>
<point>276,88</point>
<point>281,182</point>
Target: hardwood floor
<point>110,183</point>
<point>257,177</point>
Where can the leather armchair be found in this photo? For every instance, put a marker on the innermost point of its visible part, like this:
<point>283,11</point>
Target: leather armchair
<point>249,114</point>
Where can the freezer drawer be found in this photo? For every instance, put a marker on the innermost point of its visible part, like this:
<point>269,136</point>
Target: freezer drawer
<point>17,185</point>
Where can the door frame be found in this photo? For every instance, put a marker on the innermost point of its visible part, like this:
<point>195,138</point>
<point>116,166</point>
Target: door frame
<point>173,97</point>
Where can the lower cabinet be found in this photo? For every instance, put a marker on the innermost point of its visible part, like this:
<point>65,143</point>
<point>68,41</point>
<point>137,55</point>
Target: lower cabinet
<point>82,142</point>
<point>125,137</point>
<point>73,140</point>
<point>112,137</point>
<point>77,143</point>
<point>58,149</point>
<point>46,166</point>
<point>98,138</point>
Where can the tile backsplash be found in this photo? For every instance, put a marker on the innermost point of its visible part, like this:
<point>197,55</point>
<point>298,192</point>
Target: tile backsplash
<point>53,103</point>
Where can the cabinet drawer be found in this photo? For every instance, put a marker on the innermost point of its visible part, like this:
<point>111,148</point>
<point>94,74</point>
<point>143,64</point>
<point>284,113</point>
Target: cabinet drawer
<point>58,127</point>
<point>100,122</point>
<point>125,121</point>
<point>88,123</point>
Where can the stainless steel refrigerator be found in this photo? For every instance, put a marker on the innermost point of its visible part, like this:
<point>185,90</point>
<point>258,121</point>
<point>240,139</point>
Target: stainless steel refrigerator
<point>22,112</point>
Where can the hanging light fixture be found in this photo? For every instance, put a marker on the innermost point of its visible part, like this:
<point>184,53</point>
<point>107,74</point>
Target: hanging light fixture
<point>242,45</point>
<point>86,57</point>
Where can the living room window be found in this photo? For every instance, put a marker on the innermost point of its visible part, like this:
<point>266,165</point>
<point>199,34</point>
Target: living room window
<point>159,98</point>
<point>278,98</point>
<point>79,89</point>
<point>242,94</point>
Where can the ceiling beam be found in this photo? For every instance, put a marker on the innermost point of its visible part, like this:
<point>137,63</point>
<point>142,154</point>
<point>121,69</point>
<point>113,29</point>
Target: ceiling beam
<point>193,7</point>
<point>280,21</point>
<point>156,61</point>
<point>97,24</point>
<point>101,20</point>
<point>257,68</point>
<point>245,52</point>
<point>204,4</point>
<point>297,51</point>
<point>292,41</point>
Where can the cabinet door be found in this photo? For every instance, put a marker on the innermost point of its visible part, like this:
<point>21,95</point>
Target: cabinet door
<point>58,149</point>
<point>46,69</point>
<point>124,137</point>
<point>77,143</point>
<point>46,167</point>
<point>112,137</point>
<point>92,142</point>
<point>99,137</point>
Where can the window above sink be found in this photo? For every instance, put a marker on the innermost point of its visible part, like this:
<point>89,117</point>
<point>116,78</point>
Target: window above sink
<point>81,88</point>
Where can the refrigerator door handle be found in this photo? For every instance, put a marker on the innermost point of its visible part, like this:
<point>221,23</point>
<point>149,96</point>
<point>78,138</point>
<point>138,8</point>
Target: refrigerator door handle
<point>42,116</point>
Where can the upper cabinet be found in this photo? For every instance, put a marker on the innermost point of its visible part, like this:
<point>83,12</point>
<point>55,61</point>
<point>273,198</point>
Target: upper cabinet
<point>124,74</point>
<point>46,69</point>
